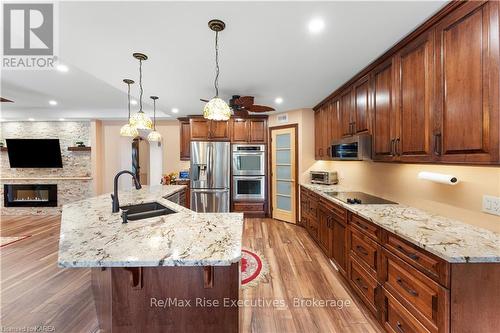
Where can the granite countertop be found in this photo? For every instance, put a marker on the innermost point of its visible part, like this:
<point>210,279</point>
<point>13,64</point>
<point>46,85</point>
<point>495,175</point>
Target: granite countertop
<point>93,236</point>
<point>449,239</point>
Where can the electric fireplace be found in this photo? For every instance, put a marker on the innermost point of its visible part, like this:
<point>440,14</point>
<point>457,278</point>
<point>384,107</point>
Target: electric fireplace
<point>30,195</point>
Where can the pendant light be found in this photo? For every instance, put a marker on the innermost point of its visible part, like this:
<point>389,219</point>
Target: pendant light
<point>140,120</point>
<point>127,129</point>
<point>216,108</point>
<point>154,136</point>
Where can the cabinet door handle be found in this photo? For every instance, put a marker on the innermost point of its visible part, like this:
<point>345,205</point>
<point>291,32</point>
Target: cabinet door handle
<point>392,147</point>
<point>406,288</point>
<point>437,144</point>
<point>399,326</point>
<point>328,152</point>
<point>398,147</point>
<point>411,255</point>
<point>361,250</point>
<point>361,284</point>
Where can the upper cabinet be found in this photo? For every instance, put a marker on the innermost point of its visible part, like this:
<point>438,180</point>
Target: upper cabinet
<point>360,116</point>
<point>434,97</point>
<point>249,130</point>
<point>467,127</point>
<point>203,129</point>
<point>383,112</point>
<point>415,110</point>
<point>185,139</point>
<point>346,114</point>
<point>252,129</point>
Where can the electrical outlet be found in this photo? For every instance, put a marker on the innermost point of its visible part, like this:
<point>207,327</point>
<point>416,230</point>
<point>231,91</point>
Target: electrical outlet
<point>491,204</point>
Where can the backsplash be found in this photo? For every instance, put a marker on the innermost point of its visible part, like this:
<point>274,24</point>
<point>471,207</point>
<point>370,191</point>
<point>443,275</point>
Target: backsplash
<point>398,182</point>
<point>75,164</point>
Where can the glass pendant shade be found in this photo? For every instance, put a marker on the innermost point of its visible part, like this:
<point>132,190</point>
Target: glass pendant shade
<point>154,136</point>
<point>140,120</point>
<point>129,130</point>
<point>217,109</point>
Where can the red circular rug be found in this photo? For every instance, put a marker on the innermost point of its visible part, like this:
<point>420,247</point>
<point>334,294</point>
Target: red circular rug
<point>253,268</point>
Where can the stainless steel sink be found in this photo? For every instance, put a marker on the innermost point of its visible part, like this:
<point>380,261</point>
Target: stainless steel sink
<point>144,211</point>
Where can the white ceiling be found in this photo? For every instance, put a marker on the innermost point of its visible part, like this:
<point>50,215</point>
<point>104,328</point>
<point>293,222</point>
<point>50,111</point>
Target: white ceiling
<point>265,51</point>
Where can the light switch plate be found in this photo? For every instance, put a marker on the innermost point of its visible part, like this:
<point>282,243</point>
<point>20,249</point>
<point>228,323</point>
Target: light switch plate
<point>491,204</point>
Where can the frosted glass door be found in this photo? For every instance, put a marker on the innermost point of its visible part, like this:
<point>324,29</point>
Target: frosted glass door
<point>283,168</point>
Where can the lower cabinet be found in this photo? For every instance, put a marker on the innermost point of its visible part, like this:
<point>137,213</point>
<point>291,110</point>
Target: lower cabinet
<point>250,208</point>
<point>406,288</point>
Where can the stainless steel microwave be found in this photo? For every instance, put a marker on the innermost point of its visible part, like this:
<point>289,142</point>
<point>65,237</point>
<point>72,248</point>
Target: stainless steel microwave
<point>354,148</point>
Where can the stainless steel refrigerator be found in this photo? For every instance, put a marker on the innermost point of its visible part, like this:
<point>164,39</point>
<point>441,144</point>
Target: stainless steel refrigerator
<point>210,171</point>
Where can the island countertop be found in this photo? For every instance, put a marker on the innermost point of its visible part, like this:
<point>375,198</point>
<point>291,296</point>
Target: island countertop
<point>93,236</point>
<point>449,239</point>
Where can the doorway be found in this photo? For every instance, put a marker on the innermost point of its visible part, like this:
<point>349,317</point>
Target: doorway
<point>284,172</point>
<point>140,160</point>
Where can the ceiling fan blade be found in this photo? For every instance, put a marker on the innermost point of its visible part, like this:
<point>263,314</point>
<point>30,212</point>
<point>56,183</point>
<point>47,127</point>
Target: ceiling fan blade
<point>204,100</point>
<point>245,101</point>
<point>5,100</point>
<point>259,108</point>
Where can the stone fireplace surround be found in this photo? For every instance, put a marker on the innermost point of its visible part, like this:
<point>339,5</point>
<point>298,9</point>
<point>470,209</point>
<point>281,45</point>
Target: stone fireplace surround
<point>74,180</point>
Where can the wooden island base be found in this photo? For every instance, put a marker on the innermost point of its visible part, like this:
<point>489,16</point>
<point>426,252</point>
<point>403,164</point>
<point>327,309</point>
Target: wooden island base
<point>167,299</point>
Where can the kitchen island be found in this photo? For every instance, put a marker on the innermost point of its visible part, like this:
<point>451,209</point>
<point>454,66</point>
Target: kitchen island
<point>176,272</point>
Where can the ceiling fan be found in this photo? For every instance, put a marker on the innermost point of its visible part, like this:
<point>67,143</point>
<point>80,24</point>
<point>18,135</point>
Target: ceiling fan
<point>241,105</point>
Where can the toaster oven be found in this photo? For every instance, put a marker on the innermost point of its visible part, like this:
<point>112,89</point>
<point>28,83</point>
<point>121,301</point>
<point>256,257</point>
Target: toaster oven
<point>324,177</point>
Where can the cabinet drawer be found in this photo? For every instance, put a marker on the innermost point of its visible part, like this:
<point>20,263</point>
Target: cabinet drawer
<point>335,209</point>
<point>398,320</point>
<point>364,285</point>
<point>423,297</point>
<point>365,250</point>
<point>432,266</point>
<point>365,226</point>
<point>248,206</point>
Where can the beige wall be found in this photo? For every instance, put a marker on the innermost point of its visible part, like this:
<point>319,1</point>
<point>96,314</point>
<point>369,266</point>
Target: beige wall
<point>116,150</point>
<point>305,120</point>
<point>399,182</point>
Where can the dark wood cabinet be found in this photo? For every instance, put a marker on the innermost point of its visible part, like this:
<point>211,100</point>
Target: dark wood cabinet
<point>200,129</point>
<point>383,112</point>
<point>415,109</point>
<point>345,111</point>
<point>249,130</point>
<point>318,135</point>
<point>258,130</point>
<point>361,114</point>
<point>203,129</point>
<point>239,131</point>
<point>467,89</point>
<point>219,130</point>
<point>432,98</point>
<point>185,139</point>
<point>324,232</point>
<point>339,245</point>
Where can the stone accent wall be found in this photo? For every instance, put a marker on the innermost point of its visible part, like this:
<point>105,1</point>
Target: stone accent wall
<point>75,164</point>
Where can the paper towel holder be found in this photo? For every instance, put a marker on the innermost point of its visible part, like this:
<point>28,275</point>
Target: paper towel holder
<point>438,177</point>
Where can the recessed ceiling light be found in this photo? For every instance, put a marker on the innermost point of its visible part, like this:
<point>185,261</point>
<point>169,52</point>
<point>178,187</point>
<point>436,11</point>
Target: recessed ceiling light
<point>61,119</point>
<point>133,102</point>
<point>175,110</point>
<point>62,68</point>
<point>31,119</point>
<point>278,100</point>
<point>52,102</point>
<point>316,25</point>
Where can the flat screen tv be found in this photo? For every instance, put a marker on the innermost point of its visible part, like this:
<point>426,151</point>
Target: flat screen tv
<point>34,153</point>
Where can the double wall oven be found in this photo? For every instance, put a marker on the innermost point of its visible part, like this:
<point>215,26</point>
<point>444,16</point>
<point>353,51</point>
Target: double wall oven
<point>249,165</point>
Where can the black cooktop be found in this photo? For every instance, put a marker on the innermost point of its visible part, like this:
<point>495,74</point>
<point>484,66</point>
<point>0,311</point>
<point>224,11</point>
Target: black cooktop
<point>354,198</point>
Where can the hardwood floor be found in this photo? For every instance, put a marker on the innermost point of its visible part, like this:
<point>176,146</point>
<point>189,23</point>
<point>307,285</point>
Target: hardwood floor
<point>34,291</point>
